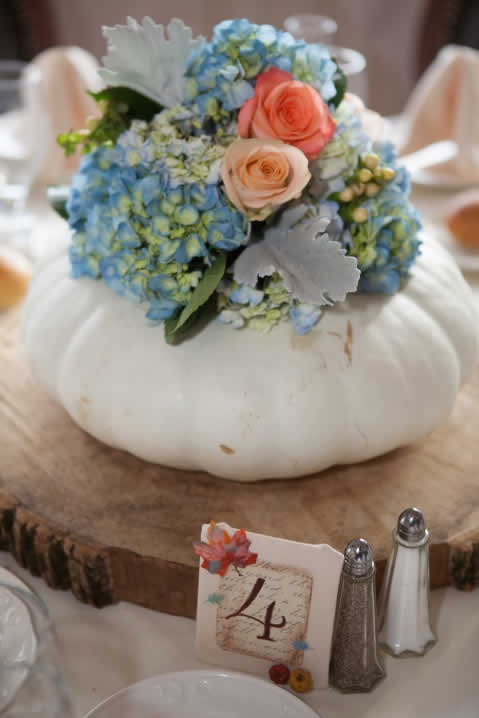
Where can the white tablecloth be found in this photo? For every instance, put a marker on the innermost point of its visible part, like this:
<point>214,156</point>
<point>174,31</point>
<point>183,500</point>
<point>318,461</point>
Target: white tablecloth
<point>104,651</point>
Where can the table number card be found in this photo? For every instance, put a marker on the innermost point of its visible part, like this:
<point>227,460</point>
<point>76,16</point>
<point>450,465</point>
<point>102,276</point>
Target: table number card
<point>264,600</point>
<point>261,587</point>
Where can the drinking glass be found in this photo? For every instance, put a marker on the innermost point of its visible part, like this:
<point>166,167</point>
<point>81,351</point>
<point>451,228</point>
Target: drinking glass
<point>23,130</point>
<point>312,28</point>
<point>354,66</point>
<point>322,29</point>
<point>31,683</point>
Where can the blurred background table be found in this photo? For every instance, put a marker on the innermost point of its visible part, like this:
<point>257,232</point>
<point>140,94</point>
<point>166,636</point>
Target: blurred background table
<point>395,37</point>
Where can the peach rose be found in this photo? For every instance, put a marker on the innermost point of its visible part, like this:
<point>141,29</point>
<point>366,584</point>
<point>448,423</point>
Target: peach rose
<point>259,175</point>
<point>287,110</point>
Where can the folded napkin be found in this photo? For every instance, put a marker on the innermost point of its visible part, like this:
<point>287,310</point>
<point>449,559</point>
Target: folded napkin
<point>66,73</point>
<point>445,106</point>
<point>55,101</point>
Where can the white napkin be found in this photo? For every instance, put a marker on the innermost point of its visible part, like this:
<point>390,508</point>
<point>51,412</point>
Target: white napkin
<point>445,106</point>
<point>57,103</point>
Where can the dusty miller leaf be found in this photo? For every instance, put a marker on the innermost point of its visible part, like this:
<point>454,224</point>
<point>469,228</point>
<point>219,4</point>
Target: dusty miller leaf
<point>314,267</point>
<point>143,58</point>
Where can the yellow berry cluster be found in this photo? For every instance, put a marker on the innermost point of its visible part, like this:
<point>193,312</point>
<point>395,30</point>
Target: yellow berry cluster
<point>366,182</point>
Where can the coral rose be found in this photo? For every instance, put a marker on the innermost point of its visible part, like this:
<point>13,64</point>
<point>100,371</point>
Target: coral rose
<point>287,110</point>
<point>260,175</point>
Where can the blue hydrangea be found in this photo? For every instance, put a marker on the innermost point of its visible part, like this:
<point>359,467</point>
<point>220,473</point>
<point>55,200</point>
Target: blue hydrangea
<point>262,309</point>
<point>244,294</point>
<point>339,159</point>
<point>222,74</point>
<point>386,152</point>
<point>303,317</point>
<point>313,64</point>
<point>147,226</point>
<point>386,245</point>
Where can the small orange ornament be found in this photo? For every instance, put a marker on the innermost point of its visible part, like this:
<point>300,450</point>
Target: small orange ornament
<point>300,680</point>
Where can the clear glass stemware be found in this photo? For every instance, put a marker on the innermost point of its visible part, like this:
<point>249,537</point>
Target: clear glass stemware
<point>312,28</point>
<point>31,682</point>
<point>319,29</point>
<point>23,129</point>
<point>354,66</point>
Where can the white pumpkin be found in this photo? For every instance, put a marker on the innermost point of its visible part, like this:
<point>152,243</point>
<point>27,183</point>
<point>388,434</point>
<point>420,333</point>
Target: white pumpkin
<point>376,373</point>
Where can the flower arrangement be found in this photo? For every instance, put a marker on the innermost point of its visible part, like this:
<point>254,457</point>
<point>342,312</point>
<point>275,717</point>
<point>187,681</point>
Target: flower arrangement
<point>234,178</point>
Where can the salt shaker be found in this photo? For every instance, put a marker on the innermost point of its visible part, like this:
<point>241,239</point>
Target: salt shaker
<point>403,616</point>
<point>355,662</point>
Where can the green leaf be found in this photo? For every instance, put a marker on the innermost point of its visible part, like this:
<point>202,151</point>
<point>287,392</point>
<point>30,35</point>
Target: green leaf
<point>340,82</point>
<point>57,198</point>
<point>122,105</point>
<point>131,102</point>
<point>205,289</point>
<point>196,322</point>
<point>69,141</point>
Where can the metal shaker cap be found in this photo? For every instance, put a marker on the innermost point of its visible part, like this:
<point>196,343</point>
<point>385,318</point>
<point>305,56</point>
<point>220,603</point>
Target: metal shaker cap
<point>358,558</point>
<point>411,528</point>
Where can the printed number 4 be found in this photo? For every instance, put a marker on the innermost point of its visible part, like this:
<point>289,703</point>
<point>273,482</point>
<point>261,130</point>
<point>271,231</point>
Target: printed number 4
<point>268,618</point>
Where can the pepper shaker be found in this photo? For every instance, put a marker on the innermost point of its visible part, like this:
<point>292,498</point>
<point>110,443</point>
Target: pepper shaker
<point>404,616</point>
<point>355,662</point>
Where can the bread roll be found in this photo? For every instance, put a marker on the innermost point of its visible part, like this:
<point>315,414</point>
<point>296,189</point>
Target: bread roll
<point>15,273</point>
<point>462,219</point>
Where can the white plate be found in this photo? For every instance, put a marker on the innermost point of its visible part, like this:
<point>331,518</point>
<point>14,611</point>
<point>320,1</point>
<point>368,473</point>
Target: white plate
<point>18,643</point>
<point>435,180</point>
<point>467,260</point>
<point>11,579</point>
<point>203,694</point>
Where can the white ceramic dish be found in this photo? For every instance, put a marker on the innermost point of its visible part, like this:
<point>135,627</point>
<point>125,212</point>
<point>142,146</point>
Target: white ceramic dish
<point>10,579</point>
<point>203,694</point>
<point>18,643</point>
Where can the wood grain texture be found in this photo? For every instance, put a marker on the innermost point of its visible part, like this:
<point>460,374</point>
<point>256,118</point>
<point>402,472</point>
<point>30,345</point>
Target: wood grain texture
<point>111,527</point>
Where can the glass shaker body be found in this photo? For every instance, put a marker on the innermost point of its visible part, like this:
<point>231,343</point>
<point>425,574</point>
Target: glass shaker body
<point>355,663</point>
<point>404,613</point>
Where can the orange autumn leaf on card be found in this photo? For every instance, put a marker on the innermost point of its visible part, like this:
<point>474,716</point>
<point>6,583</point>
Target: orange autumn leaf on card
<point>221,551</point>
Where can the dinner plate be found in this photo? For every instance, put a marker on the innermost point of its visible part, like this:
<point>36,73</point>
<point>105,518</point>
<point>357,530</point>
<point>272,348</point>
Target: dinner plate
<point>11,579</point>
<point>203,694</point>
<point>435,180</point>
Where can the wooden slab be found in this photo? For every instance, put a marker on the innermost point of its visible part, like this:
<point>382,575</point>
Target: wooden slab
<point>111,527</point>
